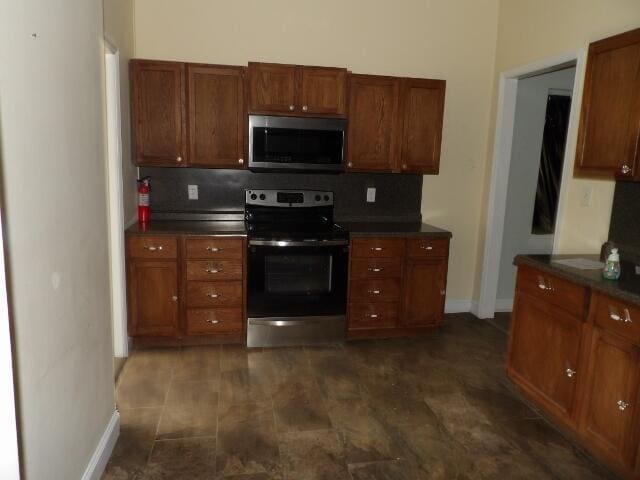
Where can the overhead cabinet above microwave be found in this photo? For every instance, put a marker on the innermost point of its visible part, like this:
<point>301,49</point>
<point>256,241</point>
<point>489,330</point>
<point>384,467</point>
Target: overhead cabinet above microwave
<point>197,115</point>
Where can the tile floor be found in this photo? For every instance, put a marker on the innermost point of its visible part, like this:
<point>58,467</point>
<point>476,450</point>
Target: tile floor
<point>435,407</point>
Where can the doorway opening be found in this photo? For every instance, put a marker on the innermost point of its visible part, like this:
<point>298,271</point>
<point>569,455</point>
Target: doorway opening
<point>116,208</point>
<point>529,174</point>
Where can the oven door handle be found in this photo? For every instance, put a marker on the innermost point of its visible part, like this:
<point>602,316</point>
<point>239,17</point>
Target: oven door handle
<point>304,243</point>
<point>278,322</point>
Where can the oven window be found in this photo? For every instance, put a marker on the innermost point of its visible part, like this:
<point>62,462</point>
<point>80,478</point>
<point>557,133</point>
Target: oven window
<point>289,145</point>
<point>298,274</point>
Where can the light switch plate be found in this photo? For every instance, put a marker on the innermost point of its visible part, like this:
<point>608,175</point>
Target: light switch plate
<point>193,192</point>
<point>371,194</point>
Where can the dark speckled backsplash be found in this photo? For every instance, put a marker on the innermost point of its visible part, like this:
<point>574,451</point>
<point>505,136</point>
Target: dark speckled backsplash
<point>624,229</point>
<point>398,196</point>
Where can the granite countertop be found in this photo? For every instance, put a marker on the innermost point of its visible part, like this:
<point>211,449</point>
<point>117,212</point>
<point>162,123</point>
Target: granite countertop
<point>404,229</point>
<point>201,227</point>
<point>194,227</point>
<point>627,287</point>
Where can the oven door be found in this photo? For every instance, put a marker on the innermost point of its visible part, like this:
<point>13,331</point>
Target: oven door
<point>296,292</point>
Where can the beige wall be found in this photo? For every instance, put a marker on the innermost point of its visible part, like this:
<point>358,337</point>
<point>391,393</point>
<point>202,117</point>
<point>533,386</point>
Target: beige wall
<point>118,29</point>
<point>53,171</point>
<point>531,30</point>
<point>454,40</point>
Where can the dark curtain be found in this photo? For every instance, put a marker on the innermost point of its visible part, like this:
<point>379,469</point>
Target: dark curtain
<point>550,172</point>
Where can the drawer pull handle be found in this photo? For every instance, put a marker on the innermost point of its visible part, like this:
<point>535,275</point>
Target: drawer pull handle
<point>374,292</point>
<point>542,285</point>
<point>622,405</point>
<point>372,315</point>
<point>213,249</point>
<point>376,249</point>
<point>374,269</point>
<point>213,322</point>
<point>570,373</point>
<point>615,316</point>
<point>174,298</point>
<point>428,247</point>
<point>151,248</point>
<point>213,270</point>
<point>213,295</point>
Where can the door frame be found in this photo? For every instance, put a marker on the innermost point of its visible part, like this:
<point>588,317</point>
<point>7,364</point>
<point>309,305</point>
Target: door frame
<point>503,141</point>
<point>115,201</point>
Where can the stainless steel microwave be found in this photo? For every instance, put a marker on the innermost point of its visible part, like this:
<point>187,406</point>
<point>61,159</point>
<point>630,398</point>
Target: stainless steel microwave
<point>296,143</point>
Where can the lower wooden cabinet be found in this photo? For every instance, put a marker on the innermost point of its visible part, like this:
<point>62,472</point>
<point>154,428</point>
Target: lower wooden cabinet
<point>610,414</point>
<point>424,292</point>
<point>153,297</point>
<point>580,365</point>
<point>186,289</point>
<point>544,351</point>
<point>395,286</point>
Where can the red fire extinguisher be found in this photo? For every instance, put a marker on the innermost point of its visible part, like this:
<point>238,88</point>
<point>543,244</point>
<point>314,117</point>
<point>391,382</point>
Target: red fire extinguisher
<point>144,214</point>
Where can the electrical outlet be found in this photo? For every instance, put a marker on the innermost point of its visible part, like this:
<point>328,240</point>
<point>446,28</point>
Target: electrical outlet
<point>371,194</point>
<point>586,196</point>
<point>193,192</point>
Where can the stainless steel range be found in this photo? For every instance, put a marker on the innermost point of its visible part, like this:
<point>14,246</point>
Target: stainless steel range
<point>297,269</point>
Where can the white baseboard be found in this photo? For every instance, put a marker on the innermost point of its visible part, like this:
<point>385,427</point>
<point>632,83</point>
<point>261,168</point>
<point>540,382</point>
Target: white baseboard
<point>504,304</point>
<point>460,306</point>
<point>101,455</point>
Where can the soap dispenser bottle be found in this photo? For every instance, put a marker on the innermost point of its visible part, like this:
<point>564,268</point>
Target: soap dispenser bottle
<point>611,270</point>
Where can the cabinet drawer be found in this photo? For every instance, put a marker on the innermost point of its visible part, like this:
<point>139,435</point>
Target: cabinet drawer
<point>549,288</point>
<point>617,316</point>
<point>377,247</point>
<point>212,247</point>
<point>203,321</point>
<point>376,290</point>
<point>428,247</point>
<point>214,270</point>
<point>148,246</point>
<point>372,315</point>
<point>206,294</point>
<point>376,268</point>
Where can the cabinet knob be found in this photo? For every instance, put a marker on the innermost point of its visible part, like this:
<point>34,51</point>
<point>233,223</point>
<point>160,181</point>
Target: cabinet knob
<point>305,108</point>
<point>213,295</point>
<point>427,247</point>
<point>174,298</point>
<point>292,108</point>
<point>622,405</point>
<point>213,322</point>
<point>152,248</point>
<point>374,292</point>
<point>213,249</point>
<point>372,315</point>
<point>213,270</point>
<point>404,166</point>
<point>442,292</point>
<point>241,161</point>
<point>178,159</point>
<point>349,164</point>
<point>616,317</point>
<point>374,269</point>
<point>569,373</point>
<point>377,249</point>
<point>625,169</point>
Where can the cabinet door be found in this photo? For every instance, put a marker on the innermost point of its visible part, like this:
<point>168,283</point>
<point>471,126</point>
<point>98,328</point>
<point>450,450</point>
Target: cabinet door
<point>422,107</point>
<point>611,397</point>
<point>153,298</point>
<point>324,91</point>
<point>425,284</point>
<point>610,116</point>
<point>373,122</point>
<point>158,112</point>
<point>544,348</point>
<point>216,116</point>
<point>272,88</point>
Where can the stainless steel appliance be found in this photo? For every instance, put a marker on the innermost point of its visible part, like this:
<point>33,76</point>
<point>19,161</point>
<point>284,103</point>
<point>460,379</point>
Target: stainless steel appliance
<point>297,269</point>
<point>295,143</point>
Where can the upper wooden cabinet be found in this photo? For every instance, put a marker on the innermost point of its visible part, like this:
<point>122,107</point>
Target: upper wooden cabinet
<point>158,111</point>
<point>395,124</point>
<point>373,122</point>
<point>422,107</point>
<point>297,90</point>
<point>610,118</point>
<point>217,120</point>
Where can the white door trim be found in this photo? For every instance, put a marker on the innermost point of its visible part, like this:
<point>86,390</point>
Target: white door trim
<point>115,201</point>
<point>503,140</point>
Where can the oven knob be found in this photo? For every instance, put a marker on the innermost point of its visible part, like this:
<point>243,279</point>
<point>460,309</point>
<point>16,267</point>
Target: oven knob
<point>326,198</point>
<point>262,196</point>
<point>253,196</point>
<point>317,198</point>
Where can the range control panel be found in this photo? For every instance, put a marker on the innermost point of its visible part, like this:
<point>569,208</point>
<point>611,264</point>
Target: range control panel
<point>289,198</point>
